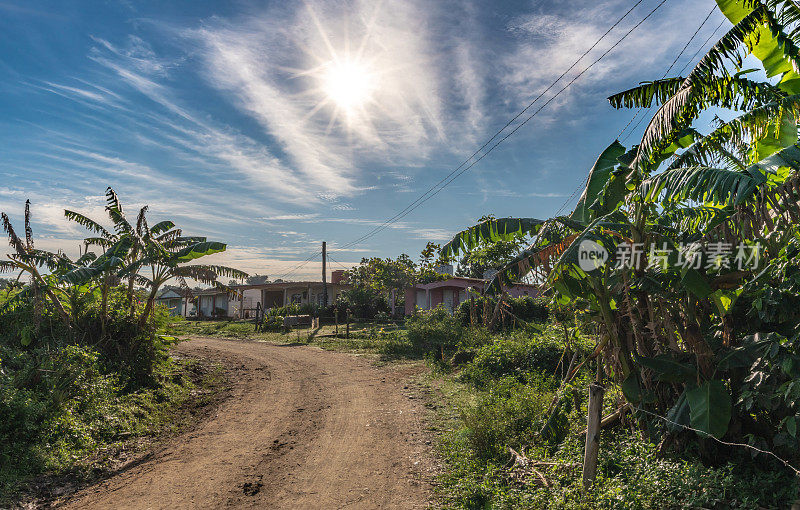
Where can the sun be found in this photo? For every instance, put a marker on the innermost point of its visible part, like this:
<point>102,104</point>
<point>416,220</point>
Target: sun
<point>349,84</point>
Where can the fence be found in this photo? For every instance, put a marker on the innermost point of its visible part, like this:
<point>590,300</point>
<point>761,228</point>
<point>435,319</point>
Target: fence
<point>342,323</point>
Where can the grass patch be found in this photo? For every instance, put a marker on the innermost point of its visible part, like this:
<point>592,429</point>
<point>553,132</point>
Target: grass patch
<point>364,339</point>
<point>499,400</point>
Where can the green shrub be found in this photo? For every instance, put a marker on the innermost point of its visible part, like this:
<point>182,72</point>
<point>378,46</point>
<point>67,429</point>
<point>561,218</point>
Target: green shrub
<point>292,309</point>
<point>59,404</point>
<point>363,303</point>
<point>515,354</point>
<point>632,475</point>
<point>272,323</point>
<point>131,350</point>
<point>508,414</point>
<point>434,331</point>
<point>526,308</point>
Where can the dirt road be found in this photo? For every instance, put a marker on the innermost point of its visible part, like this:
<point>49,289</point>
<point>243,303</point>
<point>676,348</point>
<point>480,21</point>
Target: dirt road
<point>304,428</point>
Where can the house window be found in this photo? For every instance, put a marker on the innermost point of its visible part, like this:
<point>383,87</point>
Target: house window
<point>297,298</point>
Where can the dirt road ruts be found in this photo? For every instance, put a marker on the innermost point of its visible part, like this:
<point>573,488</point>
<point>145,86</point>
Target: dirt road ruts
<point>304,428</point>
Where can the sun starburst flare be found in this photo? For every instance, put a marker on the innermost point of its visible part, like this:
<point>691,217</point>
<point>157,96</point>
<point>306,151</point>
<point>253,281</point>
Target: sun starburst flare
<point>349,84</point>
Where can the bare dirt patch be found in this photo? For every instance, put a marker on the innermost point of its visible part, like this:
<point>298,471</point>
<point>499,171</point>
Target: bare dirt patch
<point>302,428</point>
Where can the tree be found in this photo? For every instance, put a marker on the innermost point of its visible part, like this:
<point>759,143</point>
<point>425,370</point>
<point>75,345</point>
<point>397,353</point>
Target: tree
<point>162,249</point>
<point>669,331</point>
<point>27,259</point>
<point>429,257</point>
<point>257,279</point>
<point>383,277</point>
<point>494,256</point>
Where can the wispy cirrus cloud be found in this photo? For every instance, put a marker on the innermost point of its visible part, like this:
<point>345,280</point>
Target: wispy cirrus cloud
<point>223,119</point>
<point>548,43</point>
<point>140,69</point>
<point>427,94</point>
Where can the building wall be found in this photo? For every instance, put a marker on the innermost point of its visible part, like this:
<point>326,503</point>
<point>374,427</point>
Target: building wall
<point>410,300</point>
<point>205,305</point>
<point>436,298</point>
<point>520,291</point>
<point>452,293</point>
<point>269,298</point>
<point>173,304</point>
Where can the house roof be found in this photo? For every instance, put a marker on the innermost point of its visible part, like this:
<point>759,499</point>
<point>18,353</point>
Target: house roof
<point>269,286</point>
<point>169,294</point>
<point>460,281</point>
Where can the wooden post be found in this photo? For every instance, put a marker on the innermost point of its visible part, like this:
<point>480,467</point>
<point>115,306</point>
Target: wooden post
<point>336,318</point>
<point>472,311</point>
<point>596,392</point>
<point>324,276</point>
<point>347,331</point>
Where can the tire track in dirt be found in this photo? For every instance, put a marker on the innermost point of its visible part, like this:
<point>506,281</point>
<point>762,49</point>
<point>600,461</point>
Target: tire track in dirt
<point>304,428</point>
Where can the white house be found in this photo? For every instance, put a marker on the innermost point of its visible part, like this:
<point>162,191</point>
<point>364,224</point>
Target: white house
<point>243,300</point>
<point>178,304</point>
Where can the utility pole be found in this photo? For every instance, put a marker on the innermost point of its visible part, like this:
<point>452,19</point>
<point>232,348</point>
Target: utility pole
<point>324,275</point>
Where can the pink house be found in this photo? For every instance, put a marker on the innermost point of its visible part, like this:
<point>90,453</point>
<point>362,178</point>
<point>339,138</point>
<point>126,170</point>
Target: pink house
<point>453,291</point>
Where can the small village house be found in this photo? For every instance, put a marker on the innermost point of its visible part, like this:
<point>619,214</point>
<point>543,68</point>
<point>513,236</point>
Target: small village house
<point>452,292</point>
<point>243,301</point>
<point>177,303</point>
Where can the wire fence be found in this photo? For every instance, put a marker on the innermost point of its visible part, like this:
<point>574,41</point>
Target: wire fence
<point>720,441</point>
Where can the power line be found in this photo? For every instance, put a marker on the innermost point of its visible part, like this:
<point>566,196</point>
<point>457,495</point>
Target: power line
<point>688,63</point>
<point>421,197</point>
<point>298,266</point>
<point>683,50</point>
<point>702,46</point>
<point>433,191</point>
<point>336,262</point>
<point>584,182</point>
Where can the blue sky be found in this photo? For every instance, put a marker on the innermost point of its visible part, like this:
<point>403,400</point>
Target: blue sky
<point>273,126</point>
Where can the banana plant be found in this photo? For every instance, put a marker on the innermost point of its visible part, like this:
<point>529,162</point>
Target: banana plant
<point>133,236</point>
<point>738,183</point>
<point>27,259</point>
<point>135,248</point>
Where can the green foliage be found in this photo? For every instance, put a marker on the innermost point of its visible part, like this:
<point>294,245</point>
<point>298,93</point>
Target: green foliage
<point>519,355</point>
<point>434,330</point>
<point>363,302</point>
<point>59,404</point>
<point>710,408</point>
<point>293,309</point>
<point>631,472</point>
<point>135,351</point>
<point>677,338</point>
<point>79,367</point>
<point>598,177</point>
<point>491,256</point>
<point>272,322</point>
<point>507,413</point>
<point>525,308</point>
